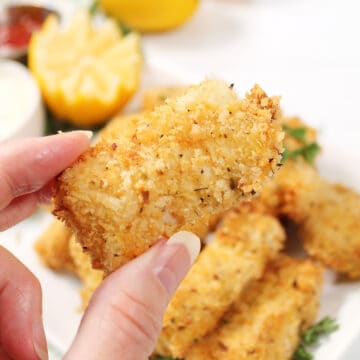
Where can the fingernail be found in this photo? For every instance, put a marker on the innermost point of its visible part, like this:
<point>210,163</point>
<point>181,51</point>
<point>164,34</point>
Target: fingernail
<point>189,240</point>
<point>89,134</point>
<point>173,262</point>
<point>39,341</point>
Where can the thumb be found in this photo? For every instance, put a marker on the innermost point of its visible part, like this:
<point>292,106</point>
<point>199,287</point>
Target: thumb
<point>124,318</point>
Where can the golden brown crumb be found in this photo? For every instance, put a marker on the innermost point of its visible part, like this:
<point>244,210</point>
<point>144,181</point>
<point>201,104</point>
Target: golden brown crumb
<point>267,319</point>
<point>119,126</point>
<point>241,247</point>
<point>197,155</point>
<point>331,229</point>
<point>270,199</point>
<point>53,247</point>
<point>157,96</point>
<point>328,216</point>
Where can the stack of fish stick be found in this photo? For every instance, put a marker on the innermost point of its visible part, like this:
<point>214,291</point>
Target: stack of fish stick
<point>243,298</point>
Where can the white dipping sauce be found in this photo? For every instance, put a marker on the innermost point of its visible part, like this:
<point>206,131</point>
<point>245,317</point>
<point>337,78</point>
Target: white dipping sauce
<point>21,112</point>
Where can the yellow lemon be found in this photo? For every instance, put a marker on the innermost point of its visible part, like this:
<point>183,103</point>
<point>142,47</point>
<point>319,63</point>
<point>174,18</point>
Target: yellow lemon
<point>150,15</point>
<point>86,73</point>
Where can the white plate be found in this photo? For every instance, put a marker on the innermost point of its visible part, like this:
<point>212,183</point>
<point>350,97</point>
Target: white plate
<point>61,292</point>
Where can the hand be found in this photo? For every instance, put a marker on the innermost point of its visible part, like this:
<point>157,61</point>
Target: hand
<point>124,317</point>
<point>27,168</point>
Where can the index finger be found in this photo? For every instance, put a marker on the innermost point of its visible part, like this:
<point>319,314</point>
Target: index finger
<point>26,165</point>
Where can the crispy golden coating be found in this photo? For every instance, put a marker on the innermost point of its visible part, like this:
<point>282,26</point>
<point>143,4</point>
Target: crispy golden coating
<point>90,277</point>
<point>119,126</point>
<point>53,247</point>
<point>267,319</point>
<point>197,155</point>
<point>331,229</point>
<point>328,216</point>
<point>156,96</point>
<point>241,247</point>
<point>272,197</point>
<point>122,125</point>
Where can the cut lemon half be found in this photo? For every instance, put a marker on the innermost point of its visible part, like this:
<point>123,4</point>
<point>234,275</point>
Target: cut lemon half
<point>85,73</point>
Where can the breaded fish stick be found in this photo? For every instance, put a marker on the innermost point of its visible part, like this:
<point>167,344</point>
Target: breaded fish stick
<point>331,230</point>
<point>328,216</point>
<point>242,245</point>
<point>266,321</point>
<point>53,247</point>
<point>194,156</point>
<point>272,197</point>
<point>90,277</point>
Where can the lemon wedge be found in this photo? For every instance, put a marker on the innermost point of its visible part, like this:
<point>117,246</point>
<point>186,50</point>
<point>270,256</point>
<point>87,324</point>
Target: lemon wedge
<point>86,73</point>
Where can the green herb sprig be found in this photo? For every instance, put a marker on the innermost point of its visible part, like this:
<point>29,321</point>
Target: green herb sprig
<point>308,151</point>
<point>302,354</point>
<point>94,8</point>
<point>324,327</point>
<point>312,336</point>
<point>298,133</point>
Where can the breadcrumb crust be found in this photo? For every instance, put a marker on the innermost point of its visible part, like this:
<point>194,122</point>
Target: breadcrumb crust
<point>266,321</point>
<point>196,155</point>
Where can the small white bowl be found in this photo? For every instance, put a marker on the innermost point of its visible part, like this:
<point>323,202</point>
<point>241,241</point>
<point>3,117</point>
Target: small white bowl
<point>21,109</point>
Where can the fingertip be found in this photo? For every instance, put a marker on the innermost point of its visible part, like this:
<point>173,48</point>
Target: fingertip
<point>175,259</point>
<point>61,150</point>
<point>79,139</point>
<point>190,241</point>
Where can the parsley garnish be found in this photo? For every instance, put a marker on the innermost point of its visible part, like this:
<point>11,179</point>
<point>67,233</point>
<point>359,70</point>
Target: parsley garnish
<point>312,335</point>
<point>324,327</point>
<point>302,354</point>
<point>94,7</point>
<point>308,152</point>
<point>124,28</point>
<point>298,133</point>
